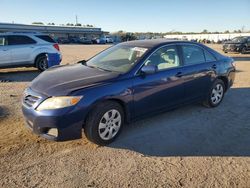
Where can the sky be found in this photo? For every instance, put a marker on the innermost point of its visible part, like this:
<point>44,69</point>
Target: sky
<point>133,15</point>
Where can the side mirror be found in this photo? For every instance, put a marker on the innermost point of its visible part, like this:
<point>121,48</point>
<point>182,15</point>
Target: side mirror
<point>148,69</point>
<point>82,61</point>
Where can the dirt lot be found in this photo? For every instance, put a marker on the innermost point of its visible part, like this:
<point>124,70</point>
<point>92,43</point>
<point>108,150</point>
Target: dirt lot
<point>189,147</point>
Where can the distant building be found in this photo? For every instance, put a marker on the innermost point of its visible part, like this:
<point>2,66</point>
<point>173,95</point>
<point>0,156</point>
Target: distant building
<point>211,37</point>
<point>54,31</point>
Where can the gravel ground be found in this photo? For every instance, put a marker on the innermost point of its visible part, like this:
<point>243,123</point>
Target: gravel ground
<point>191,146</point>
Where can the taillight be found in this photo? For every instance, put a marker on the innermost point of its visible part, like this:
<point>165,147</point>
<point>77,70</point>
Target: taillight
<point>56,46</point>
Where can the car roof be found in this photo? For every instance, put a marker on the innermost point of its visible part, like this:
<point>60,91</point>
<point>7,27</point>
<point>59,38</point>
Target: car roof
<point>154,42</point>
<point>22,33</point>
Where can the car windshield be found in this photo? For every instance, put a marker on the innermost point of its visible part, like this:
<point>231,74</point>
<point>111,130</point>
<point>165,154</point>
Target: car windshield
<point>119,58</point>
<point>239,39</point>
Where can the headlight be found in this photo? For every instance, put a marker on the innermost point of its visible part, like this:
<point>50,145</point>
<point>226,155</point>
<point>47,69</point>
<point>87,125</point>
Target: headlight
<point>59,102</point>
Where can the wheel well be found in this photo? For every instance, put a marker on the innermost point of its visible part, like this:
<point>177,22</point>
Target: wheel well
<point>39,55</point>
<point>120,102</point>
<point>225,80</point>
<point>124,107</point>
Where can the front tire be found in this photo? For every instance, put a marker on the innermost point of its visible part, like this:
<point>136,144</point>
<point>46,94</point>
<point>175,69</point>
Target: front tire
<point>215,95</point>
<point>104,123</point>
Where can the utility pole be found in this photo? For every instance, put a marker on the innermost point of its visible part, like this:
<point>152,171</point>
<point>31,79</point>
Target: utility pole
<point>243,29</point>
<point>76,20</point>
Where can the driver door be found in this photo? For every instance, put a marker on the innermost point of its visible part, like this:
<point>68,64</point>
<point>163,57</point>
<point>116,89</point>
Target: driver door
<point>162,89</point>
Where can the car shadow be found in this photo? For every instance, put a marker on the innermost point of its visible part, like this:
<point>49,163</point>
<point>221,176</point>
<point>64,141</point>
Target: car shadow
<point>4,112</point>
<point>241,58</point>
<point>194,130</point>
<point>19,75</point>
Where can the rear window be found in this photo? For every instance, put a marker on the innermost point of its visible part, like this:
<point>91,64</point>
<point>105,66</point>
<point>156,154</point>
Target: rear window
<point>46,38</point>
<point>209,57</point>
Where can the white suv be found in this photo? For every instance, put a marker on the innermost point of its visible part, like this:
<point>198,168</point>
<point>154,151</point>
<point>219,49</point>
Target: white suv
<point>28,49</point>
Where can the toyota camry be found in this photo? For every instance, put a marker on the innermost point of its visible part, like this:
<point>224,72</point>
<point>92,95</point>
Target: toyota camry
<point>125,82</point>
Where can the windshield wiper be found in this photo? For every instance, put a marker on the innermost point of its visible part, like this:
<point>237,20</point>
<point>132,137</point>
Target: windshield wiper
<point>103,69</point>
<point>94,67</point>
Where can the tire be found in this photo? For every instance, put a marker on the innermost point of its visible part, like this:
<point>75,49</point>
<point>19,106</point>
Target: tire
<point>243,50</point>
<point>215,95</point>
<point>42,62</point>
<point>100,128</point>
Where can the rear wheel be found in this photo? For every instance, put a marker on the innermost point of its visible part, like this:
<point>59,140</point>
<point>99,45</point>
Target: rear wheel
<point>243,50</point>
<point>104,123</point>
<point>42,62</point>
<point>216,94</point>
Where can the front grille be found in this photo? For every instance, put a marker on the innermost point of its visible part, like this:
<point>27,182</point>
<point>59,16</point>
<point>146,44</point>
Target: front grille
<point>30,100</point>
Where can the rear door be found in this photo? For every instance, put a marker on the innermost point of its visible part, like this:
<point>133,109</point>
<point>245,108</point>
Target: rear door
<point>199,67</point>
<point>5,57</point>
<point>21,48</point>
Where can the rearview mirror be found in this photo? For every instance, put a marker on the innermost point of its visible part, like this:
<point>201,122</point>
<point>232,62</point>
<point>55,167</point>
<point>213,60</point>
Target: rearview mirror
<point>149,69</point>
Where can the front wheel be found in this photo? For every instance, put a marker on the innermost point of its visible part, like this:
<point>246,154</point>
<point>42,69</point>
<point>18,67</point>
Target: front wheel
<point>104,123</point>
<point>216,94</point>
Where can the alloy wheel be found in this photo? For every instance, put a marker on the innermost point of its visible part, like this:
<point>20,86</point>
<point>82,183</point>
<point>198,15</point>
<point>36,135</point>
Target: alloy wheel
<point>217,93</point>
<point>110,124</point>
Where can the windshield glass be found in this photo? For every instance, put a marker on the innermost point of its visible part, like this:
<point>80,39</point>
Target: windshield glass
<point>119,58</point>
<point>239,39</point>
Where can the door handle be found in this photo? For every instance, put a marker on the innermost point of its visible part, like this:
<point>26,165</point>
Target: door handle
<point>214,66</point>
<point>179,74</point>
<point>5,49</point>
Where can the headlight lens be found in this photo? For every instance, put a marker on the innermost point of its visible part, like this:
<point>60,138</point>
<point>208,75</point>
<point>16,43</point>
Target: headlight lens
<point>59,102</point>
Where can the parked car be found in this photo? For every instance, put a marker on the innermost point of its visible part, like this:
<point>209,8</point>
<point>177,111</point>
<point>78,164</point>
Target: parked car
<point>237,44</point>
<point>99,41</point>
<point>126,82</point>
<point>62,40</point>
<point>28,50</point>
<point>95,41</point>
<point>109,39</point>
<point>85,40</point>
<point>74,40</point>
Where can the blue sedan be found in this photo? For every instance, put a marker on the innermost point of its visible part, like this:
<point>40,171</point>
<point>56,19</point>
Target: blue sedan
<point>124,83</point>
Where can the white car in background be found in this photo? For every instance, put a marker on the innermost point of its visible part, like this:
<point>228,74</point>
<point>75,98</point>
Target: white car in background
<point>28,50</point>
<point>109,39</point>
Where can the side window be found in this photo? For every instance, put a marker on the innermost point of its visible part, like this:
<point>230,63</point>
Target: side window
<point>209,57</point>
<point>248,40</point>
<point>2,41</point>
<point>20,40</point>
<point>164,58</point>
<point>192,54</point>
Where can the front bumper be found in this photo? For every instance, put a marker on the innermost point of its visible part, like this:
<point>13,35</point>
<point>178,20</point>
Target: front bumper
<point>231,77</point>
<point>231,48</point>
<point>67,122</point>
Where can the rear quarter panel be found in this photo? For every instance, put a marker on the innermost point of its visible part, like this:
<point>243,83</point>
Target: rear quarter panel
<point>40,49</point>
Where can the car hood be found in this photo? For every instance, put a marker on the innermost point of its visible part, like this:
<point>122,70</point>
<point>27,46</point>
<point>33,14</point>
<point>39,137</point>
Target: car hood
<point>62,80</point>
